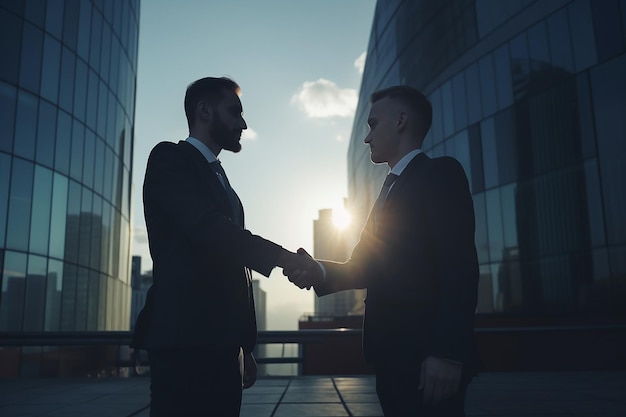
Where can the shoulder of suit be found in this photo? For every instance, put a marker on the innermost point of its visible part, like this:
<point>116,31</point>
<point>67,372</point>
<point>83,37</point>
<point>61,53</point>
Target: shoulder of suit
<point>445,163</point>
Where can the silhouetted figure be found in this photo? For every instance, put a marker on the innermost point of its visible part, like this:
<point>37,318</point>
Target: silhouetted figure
<point>417,258</point>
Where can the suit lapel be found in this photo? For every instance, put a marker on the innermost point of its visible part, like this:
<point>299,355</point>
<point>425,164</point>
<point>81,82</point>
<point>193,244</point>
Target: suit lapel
<point>412,170</point>
<point>206,173</point>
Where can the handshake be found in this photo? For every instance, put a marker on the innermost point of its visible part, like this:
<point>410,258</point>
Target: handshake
<point>301,269</point>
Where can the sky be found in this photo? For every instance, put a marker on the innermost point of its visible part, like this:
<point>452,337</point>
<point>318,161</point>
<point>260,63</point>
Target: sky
<point>299,64</point>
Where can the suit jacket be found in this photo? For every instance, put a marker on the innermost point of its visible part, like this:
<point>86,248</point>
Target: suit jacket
<point>201,294</point>
<point>418,261</point>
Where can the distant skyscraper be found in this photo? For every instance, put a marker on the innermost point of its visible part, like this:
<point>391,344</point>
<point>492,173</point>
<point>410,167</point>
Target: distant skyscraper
<point>332,244</point>
<point>67,106</point>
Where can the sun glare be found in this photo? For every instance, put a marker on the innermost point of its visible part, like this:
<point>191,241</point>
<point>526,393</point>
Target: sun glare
<point>341,218</point>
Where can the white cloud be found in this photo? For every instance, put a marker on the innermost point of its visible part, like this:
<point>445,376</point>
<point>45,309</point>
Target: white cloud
<point>140,235</point>
<point>324,98</point>
<point>359,63</point>
<point>249,134</point>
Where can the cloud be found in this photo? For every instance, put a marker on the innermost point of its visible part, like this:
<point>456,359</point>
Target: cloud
<point>140,235</point>
<point>324,98</point>
<point>359,63</point>
<point>249,134</point>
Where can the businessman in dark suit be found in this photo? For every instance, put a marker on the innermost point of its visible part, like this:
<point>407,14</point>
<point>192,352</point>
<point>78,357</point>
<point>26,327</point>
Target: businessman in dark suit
<point>416,257</point>
<point>199,315</point>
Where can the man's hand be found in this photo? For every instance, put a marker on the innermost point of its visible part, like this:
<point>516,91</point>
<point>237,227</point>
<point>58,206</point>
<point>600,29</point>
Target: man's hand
<point>439,379</point>
<point>249,371</point>
<point>303,270</point>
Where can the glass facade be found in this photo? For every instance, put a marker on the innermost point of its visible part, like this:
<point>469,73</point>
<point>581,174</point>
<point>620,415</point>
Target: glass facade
<point>530,97</point>
<point>67,104</point>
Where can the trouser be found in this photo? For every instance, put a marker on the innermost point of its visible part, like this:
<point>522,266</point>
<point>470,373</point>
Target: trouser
<point>399,397</point>
<point>194,382</point>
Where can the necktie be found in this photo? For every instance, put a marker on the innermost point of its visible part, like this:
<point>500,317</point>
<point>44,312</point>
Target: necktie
<point>232,197</point>
<point>391,178</point>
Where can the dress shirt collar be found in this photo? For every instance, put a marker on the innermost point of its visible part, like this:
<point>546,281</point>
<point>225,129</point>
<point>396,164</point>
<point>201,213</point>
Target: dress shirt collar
<point>204,150</point>
<point>402,163</point>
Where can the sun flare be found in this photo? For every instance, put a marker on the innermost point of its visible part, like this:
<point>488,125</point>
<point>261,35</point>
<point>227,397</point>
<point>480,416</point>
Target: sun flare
<point>341,218</point>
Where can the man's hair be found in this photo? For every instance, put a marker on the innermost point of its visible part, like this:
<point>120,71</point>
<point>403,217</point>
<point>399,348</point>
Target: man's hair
<point>207,89</point>
<point>414,100</point>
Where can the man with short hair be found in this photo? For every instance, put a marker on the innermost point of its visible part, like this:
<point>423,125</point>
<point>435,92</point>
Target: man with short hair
<point>416,257</point>
<point>199,314</point>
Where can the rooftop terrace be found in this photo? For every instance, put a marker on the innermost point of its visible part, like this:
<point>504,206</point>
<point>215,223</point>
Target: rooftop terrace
<point>562,394</point>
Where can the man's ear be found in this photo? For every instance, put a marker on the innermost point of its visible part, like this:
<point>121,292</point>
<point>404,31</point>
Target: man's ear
<point>204,111</point>
<point>401,121</point>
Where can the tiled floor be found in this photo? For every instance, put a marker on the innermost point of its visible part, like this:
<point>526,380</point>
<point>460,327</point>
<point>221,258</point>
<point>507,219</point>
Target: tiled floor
<point>559,394</point>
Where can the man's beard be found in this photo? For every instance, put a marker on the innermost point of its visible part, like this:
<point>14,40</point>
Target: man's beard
<point>226,138</point>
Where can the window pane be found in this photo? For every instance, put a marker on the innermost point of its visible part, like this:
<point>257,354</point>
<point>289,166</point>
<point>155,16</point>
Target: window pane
<point>35,299</point>
<point>73,222</point>
<point>63,140</point>
<point>46,131</point>
<point>608,31</point>
<point>506,146</point>
<point>594,203</point>
<point>99,167</point>
<point>487,86</point>
<point>70,23</point>
<point>35,11</point>
<point>97,233</point>
<point>490,155</point>
<point>96,37</point>
<point>86,236</point>
<point>538,48</point>
<point>40,218</point>
<point>5,171</point>
<point>494,225</point>
<point>509,217</point>
<point>460,103</point>
<point>472,83</point>
<point>20,205</point>
<point>504,83</point>
<point>476,158</point>
<point>58,217</point>
<point>68,298</point>
<point>50,69</point>
<point>84,30</point>
<point>25,125</point>
<point>609,90</point>
<point>481,237</point>
<point>447,109</point>
<point>66,89</point>
<point>53,295</point>
<point>560,43</point>
<point>78,138</point>
<point>92,301</point>
<point>54,19</point>
<point>30,71</point>
<point>10,45</point>
<point>89,158</point>
<point>437,125</point>
<point>80,90</point>
<point>13,287</point>
<point>8,99</point>
<point>92,100</point>
<point>583,37</point>
<point>82,286</point>
<point>520,66</point>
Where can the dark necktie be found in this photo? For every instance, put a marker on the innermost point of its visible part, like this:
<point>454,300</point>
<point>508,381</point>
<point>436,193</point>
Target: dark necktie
<point>232,197</point>
<point>380,201</point>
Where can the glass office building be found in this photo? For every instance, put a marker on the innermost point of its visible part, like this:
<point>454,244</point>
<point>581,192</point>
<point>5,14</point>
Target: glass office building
<point>67,104</point>
<point>530,97</point>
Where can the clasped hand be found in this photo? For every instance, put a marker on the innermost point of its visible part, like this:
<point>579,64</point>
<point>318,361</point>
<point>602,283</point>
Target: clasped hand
<point>301,269</point>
